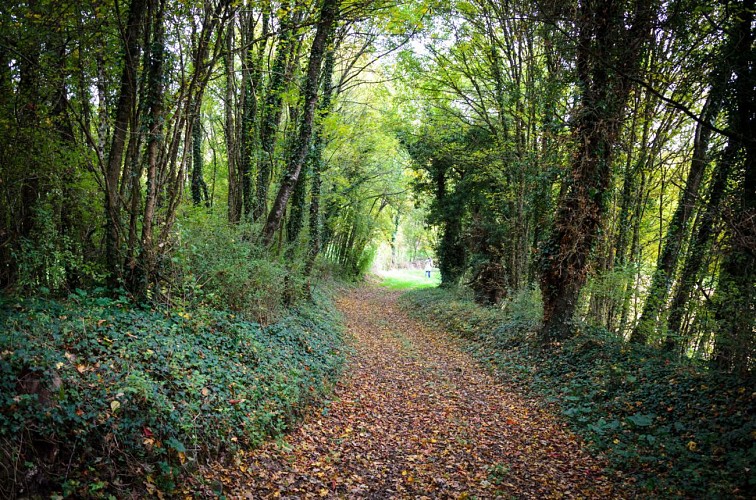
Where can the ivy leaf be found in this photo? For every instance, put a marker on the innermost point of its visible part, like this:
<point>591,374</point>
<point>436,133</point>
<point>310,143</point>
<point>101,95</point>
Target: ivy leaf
<point>641,420</point>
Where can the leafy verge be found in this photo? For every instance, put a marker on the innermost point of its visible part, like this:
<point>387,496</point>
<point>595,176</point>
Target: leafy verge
<point>675,428</point>
<point>97,397</point>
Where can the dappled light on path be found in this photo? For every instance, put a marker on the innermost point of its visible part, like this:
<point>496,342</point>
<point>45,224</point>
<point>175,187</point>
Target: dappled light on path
<point>414,417</point>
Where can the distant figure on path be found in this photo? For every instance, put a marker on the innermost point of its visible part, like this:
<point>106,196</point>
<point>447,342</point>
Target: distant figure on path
<point>428,267</point>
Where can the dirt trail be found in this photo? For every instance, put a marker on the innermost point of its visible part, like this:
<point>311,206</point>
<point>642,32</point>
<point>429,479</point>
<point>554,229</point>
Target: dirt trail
<point>414,417</point>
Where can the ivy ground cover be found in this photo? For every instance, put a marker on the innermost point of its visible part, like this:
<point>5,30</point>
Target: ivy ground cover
<point>99,398</point>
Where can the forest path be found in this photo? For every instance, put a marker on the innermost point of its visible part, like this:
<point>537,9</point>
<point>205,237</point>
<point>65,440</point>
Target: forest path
<point>414,417</point>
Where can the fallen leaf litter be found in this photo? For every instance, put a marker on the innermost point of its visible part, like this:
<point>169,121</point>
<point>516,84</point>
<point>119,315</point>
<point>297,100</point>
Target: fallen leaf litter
<point>415,417</point>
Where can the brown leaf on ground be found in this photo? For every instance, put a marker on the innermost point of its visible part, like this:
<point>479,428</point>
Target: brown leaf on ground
<point>415,417</point>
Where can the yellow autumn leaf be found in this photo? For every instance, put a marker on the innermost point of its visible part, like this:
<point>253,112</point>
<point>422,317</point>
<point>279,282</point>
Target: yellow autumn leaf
<point>114,405</point>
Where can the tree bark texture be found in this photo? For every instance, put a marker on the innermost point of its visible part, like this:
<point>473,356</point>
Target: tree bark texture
<point>199,186</point>
<point>607,54</point>
<point>328,13</point>
<point>735,301</point>
<point>123,114</point>
<point>234,181</point>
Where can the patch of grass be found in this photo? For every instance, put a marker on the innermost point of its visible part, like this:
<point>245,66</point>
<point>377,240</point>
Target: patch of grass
<point>408,279</point>
<point>676,428</point>
<point>98,397</point>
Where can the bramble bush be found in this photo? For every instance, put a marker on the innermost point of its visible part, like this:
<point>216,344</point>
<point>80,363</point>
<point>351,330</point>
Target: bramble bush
<point>99,397</point>
<point>673,427</point>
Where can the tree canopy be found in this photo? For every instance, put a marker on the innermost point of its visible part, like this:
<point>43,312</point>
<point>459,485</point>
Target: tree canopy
<point>599,150</point>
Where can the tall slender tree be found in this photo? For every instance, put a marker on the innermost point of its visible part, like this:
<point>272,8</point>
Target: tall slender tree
<point>328,14</point>
<point>124,111</point>
<point>273,110</point>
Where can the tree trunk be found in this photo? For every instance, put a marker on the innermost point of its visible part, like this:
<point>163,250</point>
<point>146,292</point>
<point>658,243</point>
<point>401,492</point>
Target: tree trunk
<point>667,264</point>
<point>252,83</point>
<point>607,54</point>
<point>234,182</point>
<point>155,88</point>
<point>735,300</point>
<point>328,14</point>
<point>199,187</point>
<point>271,117</point>
<point>316,157</point>
<point>124,112</point>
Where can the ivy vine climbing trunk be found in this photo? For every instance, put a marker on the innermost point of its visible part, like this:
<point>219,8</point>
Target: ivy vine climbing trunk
<point>199,186</point>
<point>609,50</point>
<point>155,90</point>
<point>271,115</point>
<point>316,165</point>
<point>328,13</point>
<point>252,83</point>
<point>123,118</point>
<point>734,303</point>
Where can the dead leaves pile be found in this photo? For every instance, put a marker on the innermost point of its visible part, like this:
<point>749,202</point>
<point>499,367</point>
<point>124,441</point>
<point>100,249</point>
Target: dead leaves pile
<point>416,418</point>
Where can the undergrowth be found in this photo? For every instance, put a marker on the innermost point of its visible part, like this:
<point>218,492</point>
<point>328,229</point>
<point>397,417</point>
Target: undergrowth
<point>674,428</point>
<point>98,397</point>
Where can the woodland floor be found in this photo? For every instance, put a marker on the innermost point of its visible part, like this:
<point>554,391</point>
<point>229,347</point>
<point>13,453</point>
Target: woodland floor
<point>415,417</point>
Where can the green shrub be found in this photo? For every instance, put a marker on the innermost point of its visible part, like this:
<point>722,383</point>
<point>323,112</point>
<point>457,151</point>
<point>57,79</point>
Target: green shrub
<point>226,268</point>
<point>677,428</point>
<point>48,261</point>
<point>97,397</point>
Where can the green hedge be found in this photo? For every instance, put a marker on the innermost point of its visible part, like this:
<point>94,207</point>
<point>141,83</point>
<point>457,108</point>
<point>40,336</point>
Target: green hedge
<point>99,397</point>
<point>675,428</point>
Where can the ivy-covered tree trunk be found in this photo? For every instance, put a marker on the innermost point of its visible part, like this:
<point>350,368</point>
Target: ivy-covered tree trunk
<point>123,114</point>
<point>316,166</point>
<point>252,83</point>
<point>328,13</point>
<point>734,303</point>
<point>144,271</point>
<point>7,231</point>
<point>608,53</point>
<point>199,186</point>
<point>271,116</point>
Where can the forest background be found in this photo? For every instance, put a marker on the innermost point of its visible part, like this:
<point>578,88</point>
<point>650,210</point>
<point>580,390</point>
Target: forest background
<point>213,161</point>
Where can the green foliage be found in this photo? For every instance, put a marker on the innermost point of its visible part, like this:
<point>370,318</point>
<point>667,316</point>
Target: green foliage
<point>676,428</point>
<point>97,397</point>
<point>44,258</point>
<point>364,184</point>
<point>221,266</point>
